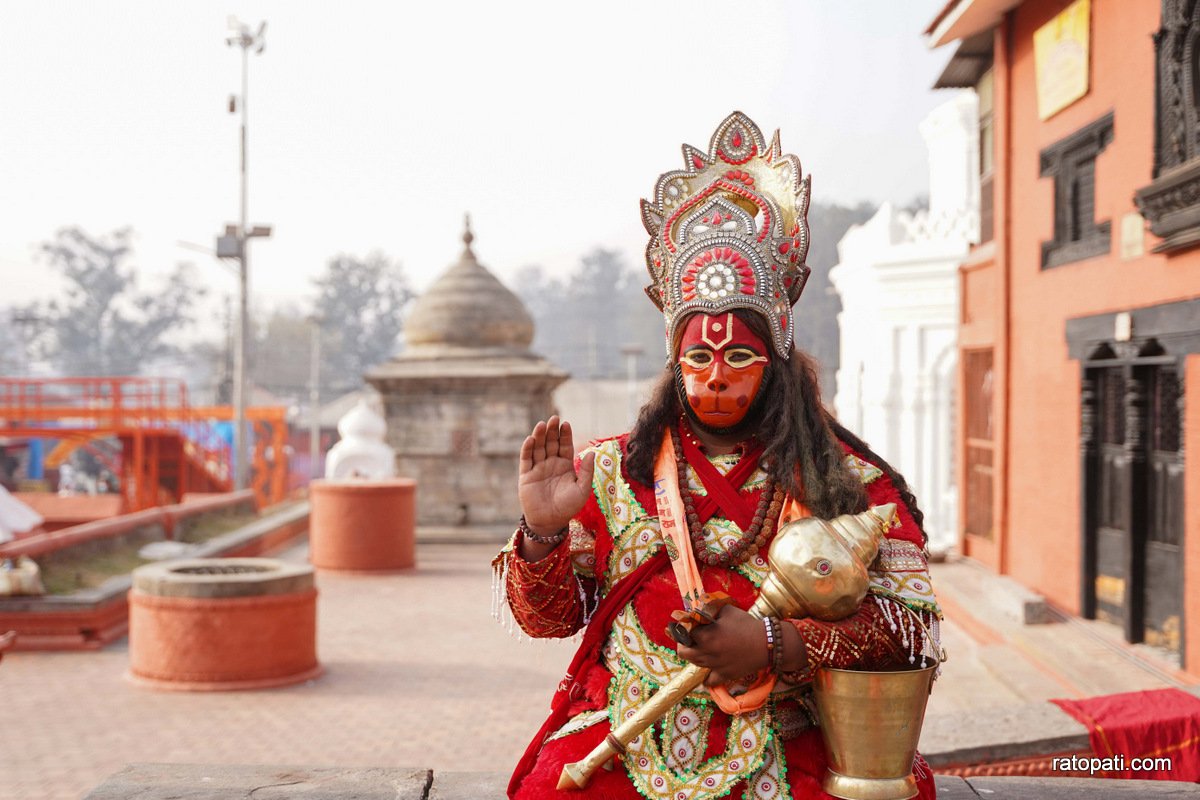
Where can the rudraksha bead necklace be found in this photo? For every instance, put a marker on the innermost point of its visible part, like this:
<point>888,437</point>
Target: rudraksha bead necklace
<point>755,538</point>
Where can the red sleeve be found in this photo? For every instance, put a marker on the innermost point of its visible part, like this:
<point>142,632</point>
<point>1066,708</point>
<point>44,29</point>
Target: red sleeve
<point>543,595</point>
<point>863,640</point>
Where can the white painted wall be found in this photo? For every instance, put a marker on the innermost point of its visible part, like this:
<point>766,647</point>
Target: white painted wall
<point>898,279</point>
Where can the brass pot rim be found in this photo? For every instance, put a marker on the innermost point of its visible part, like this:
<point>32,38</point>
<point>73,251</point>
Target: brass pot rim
<point>904,671</point>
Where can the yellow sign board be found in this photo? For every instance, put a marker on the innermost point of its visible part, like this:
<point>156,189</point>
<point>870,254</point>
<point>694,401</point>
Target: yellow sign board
<point>1060,56</point>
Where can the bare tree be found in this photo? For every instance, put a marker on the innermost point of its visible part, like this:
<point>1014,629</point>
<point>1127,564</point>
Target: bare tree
<point>360,302</point>
<point>13,353</point>
<point>103,325</point>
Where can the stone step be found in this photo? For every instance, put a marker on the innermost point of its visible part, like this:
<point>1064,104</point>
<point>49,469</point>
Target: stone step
<point>218,782</point>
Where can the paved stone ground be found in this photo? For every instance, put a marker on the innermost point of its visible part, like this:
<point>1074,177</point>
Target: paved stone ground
<point>418,675</point>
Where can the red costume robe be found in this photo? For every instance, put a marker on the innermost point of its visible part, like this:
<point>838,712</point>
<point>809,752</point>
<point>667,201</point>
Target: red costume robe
<point>697,752</point>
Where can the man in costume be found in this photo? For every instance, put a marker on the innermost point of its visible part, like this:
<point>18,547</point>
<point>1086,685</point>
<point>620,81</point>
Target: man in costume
<point>735,438</point>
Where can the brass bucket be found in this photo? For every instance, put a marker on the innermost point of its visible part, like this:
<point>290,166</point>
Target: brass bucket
<point>871,722</point>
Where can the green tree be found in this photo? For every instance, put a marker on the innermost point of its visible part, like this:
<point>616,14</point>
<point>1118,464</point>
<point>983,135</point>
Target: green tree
<point>360,302</point>
<point>103,325</point>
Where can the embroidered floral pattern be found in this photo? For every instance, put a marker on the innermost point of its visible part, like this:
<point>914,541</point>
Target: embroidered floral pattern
<point>579,722</point>
<point>613,494</point>
<point>722,534</point>
<point>689,725</point>
<point>635,534</point>
<point>582,545</point>
<point>746,746</point>
<point>865,470</point>
<point>901,573</point>
<point>629,648</point>
<point>770,781</point>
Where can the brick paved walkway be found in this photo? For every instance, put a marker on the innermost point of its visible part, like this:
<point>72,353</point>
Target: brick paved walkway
<point>418,675</point>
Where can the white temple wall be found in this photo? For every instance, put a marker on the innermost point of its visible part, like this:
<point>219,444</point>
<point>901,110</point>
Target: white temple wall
<point>898,279</point>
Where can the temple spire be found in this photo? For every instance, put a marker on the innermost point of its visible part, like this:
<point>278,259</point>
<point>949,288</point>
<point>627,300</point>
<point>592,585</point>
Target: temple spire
<point>467,236</point>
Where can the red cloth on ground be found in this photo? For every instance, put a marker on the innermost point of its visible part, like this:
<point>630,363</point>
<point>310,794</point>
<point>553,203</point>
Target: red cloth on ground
<point>1150,724</point>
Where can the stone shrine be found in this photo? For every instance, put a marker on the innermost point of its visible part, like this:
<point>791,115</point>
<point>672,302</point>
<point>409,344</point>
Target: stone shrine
<point>464,394</point>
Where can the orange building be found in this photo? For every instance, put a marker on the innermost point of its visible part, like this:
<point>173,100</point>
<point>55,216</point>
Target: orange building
<point>1080,311</point>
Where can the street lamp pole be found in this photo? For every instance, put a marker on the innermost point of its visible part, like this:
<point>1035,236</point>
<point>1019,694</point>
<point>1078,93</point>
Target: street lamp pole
<point>242,37</point>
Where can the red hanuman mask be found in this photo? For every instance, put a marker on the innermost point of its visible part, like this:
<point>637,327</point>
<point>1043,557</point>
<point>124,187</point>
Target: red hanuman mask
<point>722,363</point>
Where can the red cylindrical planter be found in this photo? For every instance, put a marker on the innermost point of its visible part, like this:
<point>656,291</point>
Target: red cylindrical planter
<point>214,624</point>
<point>362,526</point>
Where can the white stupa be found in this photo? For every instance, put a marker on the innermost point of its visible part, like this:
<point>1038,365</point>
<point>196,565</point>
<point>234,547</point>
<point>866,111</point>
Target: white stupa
<point>361,453</point>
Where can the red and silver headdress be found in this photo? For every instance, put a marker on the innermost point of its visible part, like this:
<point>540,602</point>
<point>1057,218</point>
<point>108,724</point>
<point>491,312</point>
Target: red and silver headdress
<point>730,231</point>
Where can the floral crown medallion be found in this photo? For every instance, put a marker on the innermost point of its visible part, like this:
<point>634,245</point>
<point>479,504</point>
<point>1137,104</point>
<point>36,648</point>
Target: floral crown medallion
<point>730,231</point>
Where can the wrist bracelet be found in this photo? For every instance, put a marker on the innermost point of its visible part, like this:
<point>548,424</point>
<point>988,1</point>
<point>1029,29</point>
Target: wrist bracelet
<point>805,673</point>
<point>777,660</point>
<point>772,639</point>
<point>533,537</point>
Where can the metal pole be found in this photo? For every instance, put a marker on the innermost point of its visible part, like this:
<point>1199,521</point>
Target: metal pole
<point>314,402</point>
<point>239,378</point>
<point>238,248</point>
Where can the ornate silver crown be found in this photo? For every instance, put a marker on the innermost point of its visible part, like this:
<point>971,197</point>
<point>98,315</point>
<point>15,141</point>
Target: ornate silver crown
<point>729,231</point>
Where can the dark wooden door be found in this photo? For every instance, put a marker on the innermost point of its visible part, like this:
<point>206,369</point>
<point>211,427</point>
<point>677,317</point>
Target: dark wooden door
<point>1109,499</point>
<point>1164,510</point>
<point>1133,498</point>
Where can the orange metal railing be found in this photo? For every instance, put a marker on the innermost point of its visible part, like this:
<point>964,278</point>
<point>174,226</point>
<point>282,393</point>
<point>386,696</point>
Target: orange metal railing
<point>140,411</point>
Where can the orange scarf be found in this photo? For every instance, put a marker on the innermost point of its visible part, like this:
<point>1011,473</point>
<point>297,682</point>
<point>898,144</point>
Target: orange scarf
<point>672,519</point>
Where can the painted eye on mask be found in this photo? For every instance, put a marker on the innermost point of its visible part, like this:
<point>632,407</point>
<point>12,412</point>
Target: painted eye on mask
<point>742,357</point>
<point>735,358</point>
<point>697,358</point>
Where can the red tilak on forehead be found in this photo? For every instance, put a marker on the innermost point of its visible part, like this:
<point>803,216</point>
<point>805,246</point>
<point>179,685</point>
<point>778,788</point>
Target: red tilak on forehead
<point>718,331</point>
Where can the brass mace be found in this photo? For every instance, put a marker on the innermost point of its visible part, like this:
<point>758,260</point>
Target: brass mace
<point>818,569</point>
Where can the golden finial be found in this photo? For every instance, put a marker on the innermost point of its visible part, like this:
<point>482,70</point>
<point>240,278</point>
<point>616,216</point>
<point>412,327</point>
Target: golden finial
<point>467,236</point>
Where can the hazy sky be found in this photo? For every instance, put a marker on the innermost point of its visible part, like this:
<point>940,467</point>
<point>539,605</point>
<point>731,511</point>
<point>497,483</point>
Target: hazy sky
<point>374,126</point>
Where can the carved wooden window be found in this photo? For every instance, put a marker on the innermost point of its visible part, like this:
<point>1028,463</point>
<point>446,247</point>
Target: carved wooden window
<point>1176,52</point>
<point>1171,202</point>
<point>1072,164</point>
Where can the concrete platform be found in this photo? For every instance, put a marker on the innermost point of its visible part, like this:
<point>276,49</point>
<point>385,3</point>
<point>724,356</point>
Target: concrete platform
<point>416,666</point>
<point>194,782</point>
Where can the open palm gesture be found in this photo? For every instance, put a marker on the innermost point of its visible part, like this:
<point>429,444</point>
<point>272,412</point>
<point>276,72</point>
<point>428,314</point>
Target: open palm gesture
<point>550,490</point>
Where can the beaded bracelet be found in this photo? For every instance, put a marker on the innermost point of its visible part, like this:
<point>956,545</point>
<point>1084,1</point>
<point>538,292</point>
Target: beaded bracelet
<point>777,656</point>
<point>771,627</point>
<point>805,673</point>
<point>533,537</point>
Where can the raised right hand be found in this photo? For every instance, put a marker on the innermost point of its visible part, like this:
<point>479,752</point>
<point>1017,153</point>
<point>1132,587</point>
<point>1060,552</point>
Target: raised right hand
<point>550,491</point>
